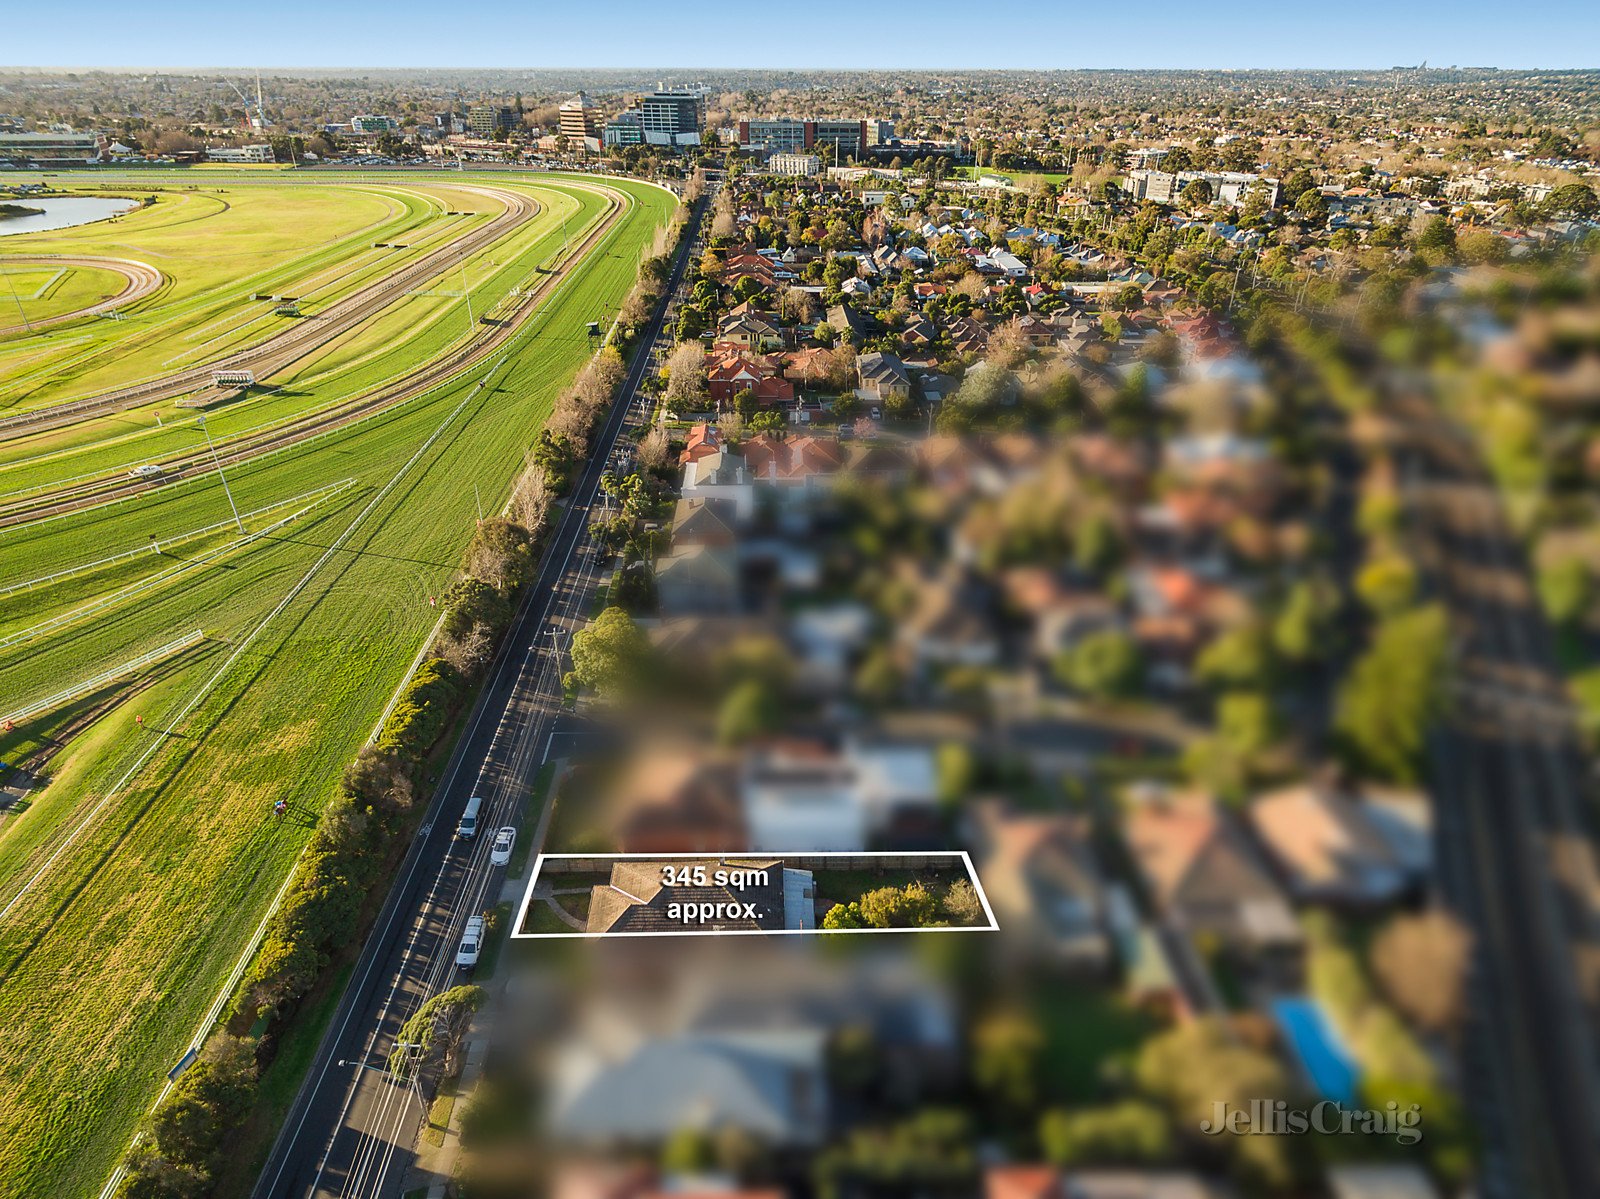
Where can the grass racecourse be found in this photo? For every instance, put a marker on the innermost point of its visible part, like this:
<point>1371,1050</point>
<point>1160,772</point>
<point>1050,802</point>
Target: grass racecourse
<point>131,883</point>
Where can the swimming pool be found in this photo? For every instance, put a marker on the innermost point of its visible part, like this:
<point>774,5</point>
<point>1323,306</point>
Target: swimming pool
<point>1322,1055</point>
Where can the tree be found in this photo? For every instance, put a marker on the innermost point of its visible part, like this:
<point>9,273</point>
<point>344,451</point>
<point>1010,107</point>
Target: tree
<point>1298,182</point>
<point>1194,1066</point>
<point>187,1135</point>
<point>1312,206</point>
<point>1422,963</point>
<point>686,376</point>
<point>1393,692</point>
<point>688,1151</point>
<point>1566,589</point>
<point>1229,760</point>
<point>1197,194</point>
<point>1575,200</point>
<point>1387,584</point>
<point>842,916</point>
<point>957,771</point>
<point>752,708</point>
<point>1238,658</point>
<point>1103,665</point>
<point>1130,1133</point>
<point>430,1039</point>
<point>500,553</point>
<point>609,653</point>
<point>961,904</point>
<point>1304,626</point>
<point>1006,1049</point>
<point>469,602</point>
<point>910,906</point>
<point>878,678</point>
<point>1096,544</point>
<point>1437,234</point>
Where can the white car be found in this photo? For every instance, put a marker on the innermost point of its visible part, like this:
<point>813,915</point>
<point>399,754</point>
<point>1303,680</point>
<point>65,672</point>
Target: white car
<point>504,842</point>
<point>471,944</point>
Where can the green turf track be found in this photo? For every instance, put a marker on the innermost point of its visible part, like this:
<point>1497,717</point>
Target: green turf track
<point>108,964</point>
<point>410,333</point>
<point>217,246</point>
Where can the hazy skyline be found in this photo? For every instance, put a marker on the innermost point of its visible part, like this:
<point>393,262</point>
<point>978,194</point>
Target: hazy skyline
<point>824,34</point>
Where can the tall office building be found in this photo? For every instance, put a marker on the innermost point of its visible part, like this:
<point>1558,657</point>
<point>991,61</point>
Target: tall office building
<point>661,118</point>
<point>485,120</point>
<point>673,118</point>
<point>835,140</point>
<point>579,119</point>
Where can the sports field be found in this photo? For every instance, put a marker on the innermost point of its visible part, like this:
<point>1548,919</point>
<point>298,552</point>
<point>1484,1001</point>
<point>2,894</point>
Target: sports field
<point>133,880</point>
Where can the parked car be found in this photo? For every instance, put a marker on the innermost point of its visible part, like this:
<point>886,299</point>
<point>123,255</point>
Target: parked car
<point>504,842</point>
<point>471,944</point>
<point>467,829</point>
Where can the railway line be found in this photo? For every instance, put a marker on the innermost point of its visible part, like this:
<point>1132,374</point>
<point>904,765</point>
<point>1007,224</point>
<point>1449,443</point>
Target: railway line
<point>303,337</point>
<point>89,493</point>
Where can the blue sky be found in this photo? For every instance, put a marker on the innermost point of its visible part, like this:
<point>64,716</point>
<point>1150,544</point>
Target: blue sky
<point>931,34</point>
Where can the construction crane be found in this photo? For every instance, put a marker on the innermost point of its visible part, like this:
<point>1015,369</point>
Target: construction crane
<point>259,121</point>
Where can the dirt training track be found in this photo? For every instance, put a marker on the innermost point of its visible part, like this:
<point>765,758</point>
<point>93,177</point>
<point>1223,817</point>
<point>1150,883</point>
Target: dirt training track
<point>139,280</point>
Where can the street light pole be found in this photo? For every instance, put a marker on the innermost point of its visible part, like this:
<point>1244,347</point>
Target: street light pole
<point>221,473</point>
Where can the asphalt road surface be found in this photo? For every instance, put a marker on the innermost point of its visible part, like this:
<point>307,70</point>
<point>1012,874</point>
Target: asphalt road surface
<point>350,1131</point>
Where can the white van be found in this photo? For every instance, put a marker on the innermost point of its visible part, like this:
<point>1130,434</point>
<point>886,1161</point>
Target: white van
<point>471,944</point>
<point>468,828</point>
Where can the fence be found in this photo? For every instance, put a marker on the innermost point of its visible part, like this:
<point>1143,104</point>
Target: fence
<point>86,686</point>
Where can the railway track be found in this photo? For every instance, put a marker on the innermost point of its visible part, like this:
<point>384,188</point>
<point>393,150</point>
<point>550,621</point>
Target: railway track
<point>91,493</point>
<point>302,338</point>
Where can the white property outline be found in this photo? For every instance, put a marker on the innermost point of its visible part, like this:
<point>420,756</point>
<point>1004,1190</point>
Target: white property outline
<point>966,859</point>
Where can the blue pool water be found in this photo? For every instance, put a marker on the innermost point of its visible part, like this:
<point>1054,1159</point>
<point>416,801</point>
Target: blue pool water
<point>1321,1053</point>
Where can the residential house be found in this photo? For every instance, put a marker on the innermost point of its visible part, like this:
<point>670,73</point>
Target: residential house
<point>748,331</point>
<point>882,377</point>
<point>638,898</point>
<point>968,336</point>
<point>1059,615</point>
<point>1203,875</point>
<point>698,580</point>
<point>804,796</point>
<point>730,373</point>
<point>703,439</point>
<point>771,1086</point>
<point>847,322</point>
<point>721,475</point>
<point>702,520</point>
<point>803,462</point>
<point>1043,883</point>
<point>1326,849</point>
<point>949,623</point>
<point>676,801</point>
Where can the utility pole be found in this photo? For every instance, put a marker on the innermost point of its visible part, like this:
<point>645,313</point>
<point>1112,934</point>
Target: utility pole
<point>221,473</point>
<point>467,293</point>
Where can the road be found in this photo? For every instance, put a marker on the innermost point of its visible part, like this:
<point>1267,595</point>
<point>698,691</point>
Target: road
<point>1513,834</point>
<point>350,1130</point>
